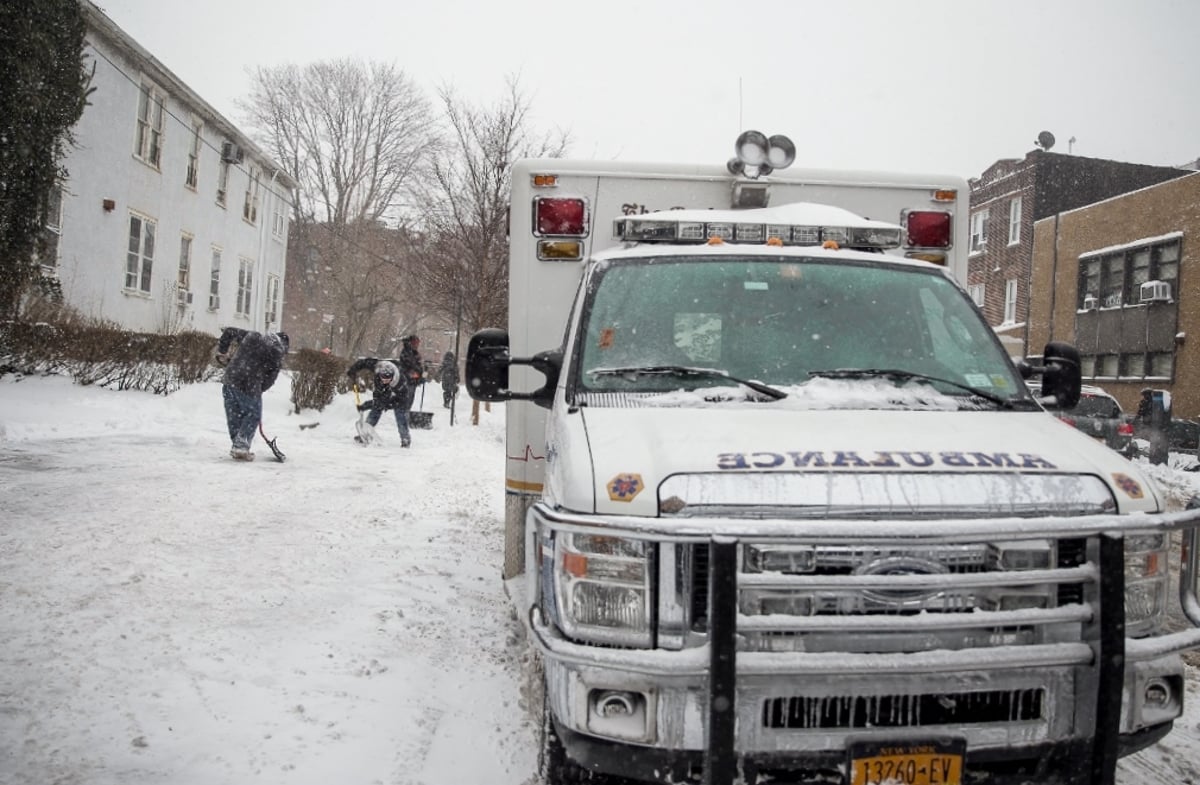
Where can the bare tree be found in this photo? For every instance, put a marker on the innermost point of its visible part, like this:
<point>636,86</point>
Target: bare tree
<point>357,137</point>
<point>463,249</point>
<point>353,135</point>
<point>358,279</point>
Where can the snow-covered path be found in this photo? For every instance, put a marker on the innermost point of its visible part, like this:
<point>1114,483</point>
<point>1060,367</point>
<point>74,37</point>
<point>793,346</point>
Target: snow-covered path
<point>172,616</point>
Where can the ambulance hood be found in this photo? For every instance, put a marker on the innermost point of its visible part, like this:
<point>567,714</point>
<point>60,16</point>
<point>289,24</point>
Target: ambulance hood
<point>744,458</point>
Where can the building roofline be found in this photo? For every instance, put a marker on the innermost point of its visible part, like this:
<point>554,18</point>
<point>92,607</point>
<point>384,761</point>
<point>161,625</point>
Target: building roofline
<point>1173,181</point>
<point>1033,156</point>
<point>99,22</point>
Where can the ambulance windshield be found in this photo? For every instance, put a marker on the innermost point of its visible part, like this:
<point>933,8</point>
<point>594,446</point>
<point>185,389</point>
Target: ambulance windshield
<point>782,322</point>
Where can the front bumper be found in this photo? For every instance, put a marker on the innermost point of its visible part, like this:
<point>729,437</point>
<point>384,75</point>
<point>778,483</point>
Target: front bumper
<point>675,689</point>
<point>1056,712</point>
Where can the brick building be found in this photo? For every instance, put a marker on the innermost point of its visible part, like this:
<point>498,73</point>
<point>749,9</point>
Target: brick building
<point>1120,279</point>
<point>1008,198</point>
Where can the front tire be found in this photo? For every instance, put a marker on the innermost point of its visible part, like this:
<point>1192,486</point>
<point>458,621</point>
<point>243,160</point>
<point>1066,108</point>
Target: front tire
<point>554,767</point>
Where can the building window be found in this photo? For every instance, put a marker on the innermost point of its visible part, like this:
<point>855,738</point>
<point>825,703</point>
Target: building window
<point>272,299</point>
<point>1014,221</point>
<point>1089,283</point>
<point>193,167</point>
<point>976,291</point>
<point>222,181</point>
<point>149,125</point>
<point>47,252</point>
<point>1162,365</point>
<point>1131,365</point>
<point>979,222</point>
<point>250,205</point>
<point>1112,282</point>
<point>278,222</point>
<point>1115,279</point>
<point>214,281</point>
<point>1107,366</point>
<point>1010,301</point>
<point>184,280</point>
<point>139,259</point>
<point>1164,264</point>
<point>245,286</point>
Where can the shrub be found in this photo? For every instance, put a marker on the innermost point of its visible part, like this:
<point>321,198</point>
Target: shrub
<point>101,353</point>
<point>316,376</point>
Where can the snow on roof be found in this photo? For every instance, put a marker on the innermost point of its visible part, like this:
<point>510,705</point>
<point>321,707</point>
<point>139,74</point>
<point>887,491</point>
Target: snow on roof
<point>794,214</point>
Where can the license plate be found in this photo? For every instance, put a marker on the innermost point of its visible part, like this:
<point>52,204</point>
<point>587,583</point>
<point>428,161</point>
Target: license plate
<point>926,762</point>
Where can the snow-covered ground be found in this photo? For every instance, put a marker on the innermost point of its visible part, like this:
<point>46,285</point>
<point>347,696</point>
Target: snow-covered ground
<point>169,616</point>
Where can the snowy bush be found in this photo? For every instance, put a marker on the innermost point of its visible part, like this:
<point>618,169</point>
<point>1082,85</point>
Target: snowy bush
<point>316,376</point>
<point>103,354</point>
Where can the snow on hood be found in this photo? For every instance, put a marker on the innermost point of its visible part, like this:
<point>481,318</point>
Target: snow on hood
<point>652,444</point>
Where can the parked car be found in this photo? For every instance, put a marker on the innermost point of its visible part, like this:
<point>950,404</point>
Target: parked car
<point>1183,435</point>
<point>1099,415</point>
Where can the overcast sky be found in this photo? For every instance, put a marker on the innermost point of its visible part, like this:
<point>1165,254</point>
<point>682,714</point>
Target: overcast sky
<point>922,86</point>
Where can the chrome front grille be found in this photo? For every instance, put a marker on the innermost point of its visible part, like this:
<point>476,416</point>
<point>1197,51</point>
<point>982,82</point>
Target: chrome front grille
<point>897,597</point>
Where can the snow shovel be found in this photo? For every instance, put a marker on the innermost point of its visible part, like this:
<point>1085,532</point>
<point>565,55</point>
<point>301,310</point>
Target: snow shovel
<point>366,433</point>
<point>420,419</point>
<point>279,456</point>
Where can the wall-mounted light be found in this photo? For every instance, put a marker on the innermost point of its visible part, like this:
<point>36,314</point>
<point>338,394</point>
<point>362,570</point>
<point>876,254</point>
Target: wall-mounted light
<point>109,205</point>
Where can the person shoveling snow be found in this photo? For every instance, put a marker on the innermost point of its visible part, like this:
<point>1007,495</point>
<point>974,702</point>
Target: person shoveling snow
<point>390,392</point>
<point>250,370</point>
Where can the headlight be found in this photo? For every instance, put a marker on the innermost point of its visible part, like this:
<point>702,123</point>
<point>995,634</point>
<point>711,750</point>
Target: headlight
<point>1146,581</point>
<point>602,589</point>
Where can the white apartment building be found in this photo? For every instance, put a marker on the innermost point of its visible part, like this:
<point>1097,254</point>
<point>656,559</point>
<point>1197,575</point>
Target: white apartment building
<point>171,219</point>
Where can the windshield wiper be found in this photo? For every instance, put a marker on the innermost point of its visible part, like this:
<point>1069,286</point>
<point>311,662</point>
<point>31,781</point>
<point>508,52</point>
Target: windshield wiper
<point>896,373</point>
<point>683,370</point>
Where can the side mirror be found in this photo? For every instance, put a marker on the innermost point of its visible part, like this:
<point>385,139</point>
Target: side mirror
<point>1060,373</point>
<point>549,364</point>
<point>487,365</point>
<point>488,361</point>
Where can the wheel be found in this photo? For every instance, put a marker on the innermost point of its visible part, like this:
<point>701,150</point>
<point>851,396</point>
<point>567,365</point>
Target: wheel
<point>554,767</point>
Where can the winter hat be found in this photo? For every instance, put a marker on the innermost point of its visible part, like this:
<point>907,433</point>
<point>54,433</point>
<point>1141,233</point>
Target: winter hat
<point>388,373</point>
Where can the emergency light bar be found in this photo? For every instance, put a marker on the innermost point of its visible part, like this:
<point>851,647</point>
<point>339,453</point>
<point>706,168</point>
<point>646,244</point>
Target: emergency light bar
<point>801,223</point>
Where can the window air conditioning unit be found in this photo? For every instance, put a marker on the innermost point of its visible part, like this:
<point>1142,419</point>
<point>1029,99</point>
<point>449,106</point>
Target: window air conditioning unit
<point>183,296</point>
<point>1155,292</point>
<point>1090,303</point>
<point>231,153</point>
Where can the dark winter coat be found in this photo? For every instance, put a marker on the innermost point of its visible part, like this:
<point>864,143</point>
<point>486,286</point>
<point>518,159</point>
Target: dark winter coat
<point>256,363</point>
<point>410,364</point>
<point>449,375</point>
<point>384,397</point>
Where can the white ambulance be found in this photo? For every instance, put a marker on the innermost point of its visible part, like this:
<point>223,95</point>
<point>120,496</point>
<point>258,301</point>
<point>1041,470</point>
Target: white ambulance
<point>780,506</point>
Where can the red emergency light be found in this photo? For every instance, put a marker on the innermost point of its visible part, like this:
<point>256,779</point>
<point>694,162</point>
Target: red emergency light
<point>559,216</point>
<point>928,228</point>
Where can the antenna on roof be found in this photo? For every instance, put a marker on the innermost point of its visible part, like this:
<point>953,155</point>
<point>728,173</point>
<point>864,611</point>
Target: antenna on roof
<point>1045,140</point>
